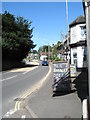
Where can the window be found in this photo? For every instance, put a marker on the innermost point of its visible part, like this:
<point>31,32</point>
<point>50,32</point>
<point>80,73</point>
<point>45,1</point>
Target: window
<point>75,58</point>
<point>75,55</point>
<point>75,61</point>
<point>83,30</point>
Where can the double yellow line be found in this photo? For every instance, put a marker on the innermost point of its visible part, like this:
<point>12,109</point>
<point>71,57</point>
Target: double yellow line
<point>31,90</point>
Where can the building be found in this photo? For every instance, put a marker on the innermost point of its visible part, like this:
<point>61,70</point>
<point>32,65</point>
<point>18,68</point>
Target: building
<point>67,47</point>
<point>60,51</point>
<point>47,53</point>
<point>64,48</point>
<point>78,42</point>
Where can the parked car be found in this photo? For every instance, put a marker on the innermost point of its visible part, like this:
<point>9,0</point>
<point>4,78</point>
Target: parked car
<point>44,63</point>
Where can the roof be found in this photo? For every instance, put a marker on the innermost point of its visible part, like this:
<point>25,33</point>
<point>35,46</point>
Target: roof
<point>79,20</point>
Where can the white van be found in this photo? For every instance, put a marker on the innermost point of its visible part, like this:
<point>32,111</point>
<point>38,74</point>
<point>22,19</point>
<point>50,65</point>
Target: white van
<point>43,57</point>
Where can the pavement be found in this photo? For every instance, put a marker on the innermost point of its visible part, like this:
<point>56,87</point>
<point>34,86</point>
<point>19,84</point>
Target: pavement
<point>42,104</point>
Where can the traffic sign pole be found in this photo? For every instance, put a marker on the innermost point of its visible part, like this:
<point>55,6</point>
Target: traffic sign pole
<point>87,11</point>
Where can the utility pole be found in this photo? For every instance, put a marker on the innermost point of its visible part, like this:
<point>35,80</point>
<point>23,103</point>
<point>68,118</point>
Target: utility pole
<point>48,52</point>
<point>62,37</point>
<point>67,34</point>
<point>67,14</point>
<point>67,31</point>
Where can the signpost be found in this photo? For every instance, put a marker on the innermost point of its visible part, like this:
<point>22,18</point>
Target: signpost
<point>87,5</point>
<point>60,76</point>
<point>87,15</point>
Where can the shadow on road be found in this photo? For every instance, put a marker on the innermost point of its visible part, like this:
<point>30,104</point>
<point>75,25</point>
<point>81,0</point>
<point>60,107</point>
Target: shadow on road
<point>63,93</point>
<point>81,84</point>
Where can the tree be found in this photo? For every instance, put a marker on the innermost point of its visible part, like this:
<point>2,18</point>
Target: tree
<point>54,56</point>
<point>35,52</point>
<point>16,37</point>
<point>58,43</point>
<point>47,47</point>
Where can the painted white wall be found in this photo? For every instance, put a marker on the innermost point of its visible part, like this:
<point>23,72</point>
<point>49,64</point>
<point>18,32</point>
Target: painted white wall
<point>81,33</point>
<point>77,34</point>
<point>80,56</point>
<point>73,34</point>
<point>80,52</point>
<point>73,51</point>
<point>72,62</point>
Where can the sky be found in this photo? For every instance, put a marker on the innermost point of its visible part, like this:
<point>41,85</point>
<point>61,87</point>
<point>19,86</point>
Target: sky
<point>48,18</point>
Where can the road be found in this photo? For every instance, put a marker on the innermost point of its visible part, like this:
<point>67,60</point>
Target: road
<point>16,82</point>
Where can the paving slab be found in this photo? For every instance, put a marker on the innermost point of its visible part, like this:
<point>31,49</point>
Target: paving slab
<point>44,105</point>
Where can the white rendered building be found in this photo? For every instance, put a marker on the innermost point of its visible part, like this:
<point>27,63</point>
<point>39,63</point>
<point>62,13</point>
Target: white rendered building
<point>78,42</point>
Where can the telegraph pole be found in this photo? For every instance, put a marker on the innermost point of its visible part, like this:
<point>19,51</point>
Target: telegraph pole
<point>67,14</point>
<point>67,34</point>
<point>48,52</point>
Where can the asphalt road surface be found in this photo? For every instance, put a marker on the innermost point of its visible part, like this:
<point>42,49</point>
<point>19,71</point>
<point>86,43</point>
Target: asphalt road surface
<point>15,83</point>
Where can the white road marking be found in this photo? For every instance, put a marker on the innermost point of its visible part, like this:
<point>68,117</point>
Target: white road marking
<point>17,69</point>
<point>8,78</point>
<point>26,72</point>
<point>23,116</point>
<point>30,70</point>
<point>29,92</point>
<point>18,75</point>
<point>31,112</point>
<point>9,113</point>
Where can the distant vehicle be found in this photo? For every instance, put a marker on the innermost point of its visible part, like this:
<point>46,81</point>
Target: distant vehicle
<point>44,63</point>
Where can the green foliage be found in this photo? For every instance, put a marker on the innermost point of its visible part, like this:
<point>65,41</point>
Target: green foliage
<point>54,55</point>
<point>58,43</point>
<point>55,58</point>
<point>35,52</point>
<point>47,47</point>
<point>16,37</point>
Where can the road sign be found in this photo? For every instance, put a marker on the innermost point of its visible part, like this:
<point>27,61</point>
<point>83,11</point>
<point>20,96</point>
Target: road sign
<point>73,70</point>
